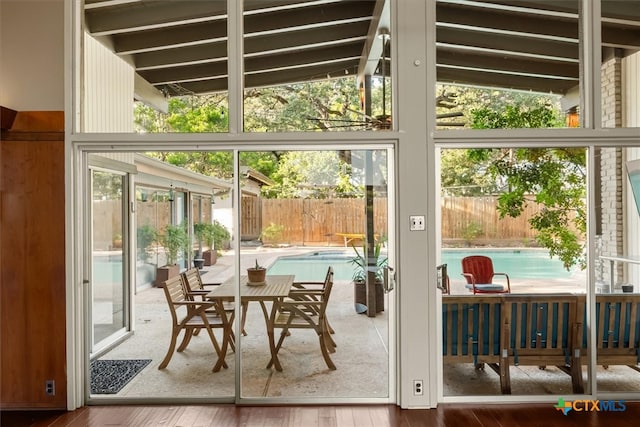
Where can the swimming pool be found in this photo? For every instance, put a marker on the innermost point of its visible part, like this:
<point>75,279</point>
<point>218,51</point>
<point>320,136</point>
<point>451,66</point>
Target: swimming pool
<point>517,263</point>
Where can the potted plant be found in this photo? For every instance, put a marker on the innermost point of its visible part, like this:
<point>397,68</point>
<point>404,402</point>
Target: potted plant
<point>360,273</point>
<point>117,241</point>
<point>175,241</point>
<point>256,274</point>
<point>199,231</point>
<point>215,237</point>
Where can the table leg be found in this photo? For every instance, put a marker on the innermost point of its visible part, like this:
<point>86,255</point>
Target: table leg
<point>269,318</point>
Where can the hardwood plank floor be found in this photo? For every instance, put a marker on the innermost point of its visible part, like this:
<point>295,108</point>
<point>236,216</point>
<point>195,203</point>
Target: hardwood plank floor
<point>450,415</point>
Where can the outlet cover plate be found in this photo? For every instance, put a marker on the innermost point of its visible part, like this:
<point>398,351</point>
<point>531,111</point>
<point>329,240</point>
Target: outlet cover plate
<point>416,222</point>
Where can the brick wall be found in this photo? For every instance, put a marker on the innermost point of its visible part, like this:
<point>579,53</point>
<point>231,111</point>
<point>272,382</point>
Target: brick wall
<point>611,170</point>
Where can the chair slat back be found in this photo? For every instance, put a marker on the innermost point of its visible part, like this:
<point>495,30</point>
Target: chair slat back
<point>471,326</point>
<point>174,291</point>
<point>537,324</point>
<point>193,280</point>
<point>326,291</point>
<point>480,266</point>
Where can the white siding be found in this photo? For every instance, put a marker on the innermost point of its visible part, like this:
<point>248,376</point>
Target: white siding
<point>108,91</point>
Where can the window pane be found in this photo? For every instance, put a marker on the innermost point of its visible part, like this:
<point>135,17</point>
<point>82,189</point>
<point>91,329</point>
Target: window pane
<point>620,64</point>
<point>158,66</point>
<point>496,58</point>
<point>513,241</point>
<point>317,66</point>
<point>317,210</point>
<point>617,268</point>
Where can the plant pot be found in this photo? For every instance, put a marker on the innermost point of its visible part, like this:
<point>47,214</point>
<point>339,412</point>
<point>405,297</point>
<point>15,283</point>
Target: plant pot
<point>198,263</point>
<point>627,288</point>
<point>165,273</point>
<point>360,294</point>
<point>210,257</point>
<point>256,275</point>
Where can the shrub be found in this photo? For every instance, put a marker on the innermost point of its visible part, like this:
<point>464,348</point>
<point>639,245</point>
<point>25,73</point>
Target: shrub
<point>272,233</point>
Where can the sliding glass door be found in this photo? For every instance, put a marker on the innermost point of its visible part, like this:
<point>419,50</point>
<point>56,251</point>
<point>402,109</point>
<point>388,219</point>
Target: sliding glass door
<point>109,285</point>
<point>321,211</point>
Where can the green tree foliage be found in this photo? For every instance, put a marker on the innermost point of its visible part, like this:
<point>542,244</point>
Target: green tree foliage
<point>185,114</point>
<point>551,177</point>
<point>461,175</point>
<point>313,174</point>
<point>319,105</point>
<point>516,116</point>
<point>477,102</point>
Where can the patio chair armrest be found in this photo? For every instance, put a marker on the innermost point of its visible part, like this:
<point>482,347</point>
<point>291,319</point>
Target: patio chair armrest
<point>296,284</point>
<point>507,277</point>
<point>196,304</point>
<point>306,291</point>
<point>289,304</point>
<point>470,276</point>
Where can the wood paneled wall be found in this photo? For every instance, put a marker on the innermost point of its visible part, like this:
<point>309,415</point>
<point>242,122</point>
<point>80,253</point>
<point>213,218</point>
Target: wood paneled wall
<point>32,263</point>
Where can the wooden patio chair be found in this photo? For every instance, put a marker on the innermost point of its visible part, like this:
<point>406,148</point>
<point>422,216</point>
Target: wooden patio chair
<point>478,270</point>
<point>197,289</point>
<point>189,316</point>
<point>303,313</point>
<point>310,290</point>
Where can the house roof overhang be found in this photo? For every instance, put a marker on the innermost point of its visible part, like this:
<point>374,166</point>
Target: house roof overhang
<point>180,47</point>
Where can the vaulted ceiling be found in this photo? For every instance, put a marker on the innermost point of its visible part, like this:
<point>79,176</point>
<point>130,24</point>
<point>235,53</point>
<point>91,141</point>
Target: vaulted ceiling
<point>180,46</point>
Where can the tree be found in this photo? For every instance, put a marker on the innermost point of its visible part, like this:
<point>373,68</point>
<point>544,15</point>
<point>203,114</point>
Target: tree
<point>554,178</point>
<point>313,174</point>
<point>189,113</point>
<point>319,105</point>
<point>461,175</point>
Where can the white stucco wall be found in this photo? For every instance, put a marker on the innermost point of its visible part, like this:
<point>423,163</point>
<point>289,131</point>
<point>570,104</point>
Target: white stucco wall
<point>32,55</point>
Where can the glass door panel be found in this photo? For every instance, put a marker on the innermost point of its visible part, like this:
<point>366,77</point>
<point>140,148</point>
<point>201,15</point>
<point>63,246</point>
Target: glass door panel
<point>513,236</point>
<point>163,213</point>
<point>617,269</point>
<point>315,211</point>
<point>109,286</point>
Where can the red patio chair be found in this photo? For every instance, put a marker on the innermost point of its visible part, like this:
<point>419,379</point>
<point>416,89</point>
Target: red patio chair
<point>478,270</point>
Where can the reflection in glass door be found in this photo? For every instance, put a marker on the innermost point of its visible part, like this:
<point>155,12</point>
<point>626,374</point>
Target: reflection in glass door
<point>314,213</point>
<point>109,286</point>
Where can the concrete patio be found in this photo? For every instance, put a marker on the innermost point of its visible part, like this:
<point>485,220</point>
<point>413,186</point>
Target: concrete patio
<point>362,355</point>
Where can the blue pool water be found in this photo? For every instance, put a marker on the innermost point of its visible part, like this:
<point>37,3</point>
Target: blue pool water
<point>312,266</point>
<point>517,263</point>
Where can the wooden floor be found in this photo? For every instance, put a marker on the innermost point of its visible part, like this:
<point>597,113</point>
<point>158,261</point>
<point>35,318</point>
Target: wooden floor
<point>540,415</point>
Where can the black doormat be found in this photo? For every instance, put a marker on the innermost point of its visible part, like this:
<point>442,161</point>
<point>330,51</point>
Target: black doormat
<point>109,376</point>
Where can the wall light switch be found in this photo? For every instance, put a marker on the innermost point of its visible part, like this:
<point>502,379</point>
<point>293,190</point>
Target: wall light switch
<point>416,222</point>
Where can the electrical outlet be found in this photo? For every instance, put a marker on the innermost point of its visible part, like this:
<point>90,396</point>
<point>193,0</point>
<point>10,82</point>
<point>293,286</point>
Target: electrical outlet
<point>417,388</point>
<point>416,222</point>
<point>50,387</point>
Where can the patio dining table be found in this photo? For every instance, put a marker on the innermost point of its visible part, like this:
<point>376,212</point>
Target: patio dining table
<point>276,287</point>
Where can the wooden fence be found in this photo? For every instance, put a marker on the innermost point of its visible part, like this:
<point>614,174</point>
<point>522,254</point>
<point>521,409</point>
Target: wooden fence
<point>317,221</point>
<point>477,218</point>
<point>311,221</point>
